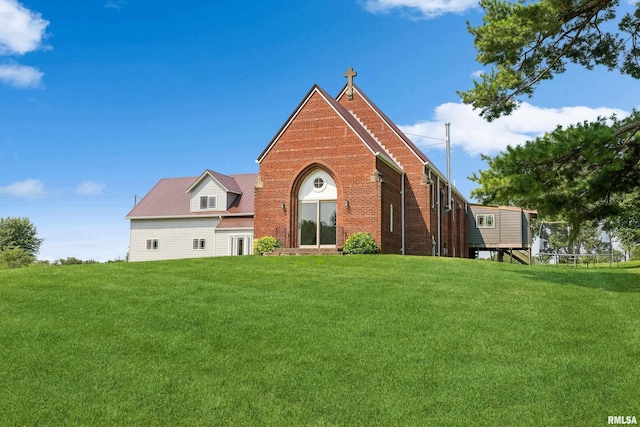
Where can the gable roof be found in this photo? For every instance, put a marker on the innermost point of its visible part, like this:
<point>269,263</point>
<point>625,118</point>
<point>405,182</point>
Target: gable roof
<point>363,134</point>
<point>415,150</point>
<point>396,130</point>
<point>171,198</point>
<point>228,183</point>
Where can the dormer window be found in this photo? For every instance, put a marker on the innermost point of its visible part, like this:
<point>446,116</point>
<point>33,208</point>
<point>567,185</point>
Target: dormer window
<point>208,202</point>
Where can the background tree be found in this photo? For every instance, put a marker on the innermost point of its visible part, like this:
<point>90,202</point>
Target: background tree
<point>19,233</point>
<point>15,257</point>
<point>527,42</point>
<point>626,226</point>
<point>577,174</point>
<point>589,240</point>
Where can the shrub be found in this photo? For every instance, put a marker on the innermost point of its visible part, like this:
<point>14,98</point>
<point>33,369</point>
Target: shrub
<point>360,243</point>
<point>15,258</point>
<point>69,261</point>
<point>266,244</point>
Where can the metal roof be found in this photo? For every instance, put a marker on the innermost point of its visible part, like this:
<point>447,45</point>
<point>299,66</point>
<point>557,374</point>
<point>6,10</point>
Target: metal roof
<point>235,222</point>
<point>170,197</point>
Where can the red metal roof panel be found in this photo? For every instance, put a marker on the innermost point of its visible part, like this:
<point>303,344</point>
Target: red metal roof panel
<point>235,222</point>
<point>170,198</point>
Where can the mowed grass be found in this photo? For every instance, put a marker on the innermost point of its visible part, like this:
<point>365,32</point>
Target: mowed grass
<point>318,341</point>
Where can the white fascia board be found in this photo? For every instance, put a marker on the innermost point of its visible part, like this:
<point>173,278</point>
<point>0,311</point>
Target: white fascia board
<point>213,215</point>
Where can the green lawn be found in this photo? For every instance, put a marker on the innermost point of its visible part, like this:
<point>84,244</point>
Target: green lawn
<point>319,341</point>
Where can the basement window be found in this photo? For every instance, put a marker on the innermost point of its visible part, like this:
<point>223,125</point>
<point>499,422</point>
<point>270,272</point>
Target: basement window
<point>485,221</point>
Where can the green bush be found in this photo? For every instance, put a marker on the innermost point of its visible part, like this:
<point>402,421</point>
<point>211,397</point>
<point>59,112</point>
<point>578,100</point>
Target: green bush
<point>360,243</point>
<point>15,258</point>
<point>265,244</point>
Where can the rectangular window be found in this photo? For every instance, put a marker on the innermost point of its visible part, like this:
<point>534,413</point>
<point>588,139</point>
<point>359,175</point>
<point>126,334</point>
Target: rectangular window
<point>391,218</point>
<point>208,202</point>
<point>152,244</point>
<point>485,221</point>
<point>199,244</point>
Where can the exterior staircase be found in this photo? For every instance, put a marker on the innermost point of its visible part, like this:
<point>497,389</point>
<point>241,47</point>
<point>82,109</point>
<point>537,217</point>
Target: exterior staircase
<point>517,255</point>
<point>521,256</point>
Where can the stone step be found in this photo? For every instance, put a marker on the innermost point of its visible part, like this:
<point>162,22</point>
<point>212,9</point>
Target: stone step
<point>304,251</point>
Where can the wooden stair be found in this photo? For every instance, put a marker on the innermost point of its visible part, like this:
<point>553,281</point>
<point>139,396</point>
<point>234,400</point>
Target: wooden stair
<point>517,255</point>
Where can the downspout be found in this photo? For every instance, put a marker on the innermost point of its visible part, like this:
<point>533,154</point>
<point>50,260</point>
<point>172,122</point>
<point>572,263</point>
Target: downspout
<point>402,211</point>
<point>449,205</point>
<point>439,210</point>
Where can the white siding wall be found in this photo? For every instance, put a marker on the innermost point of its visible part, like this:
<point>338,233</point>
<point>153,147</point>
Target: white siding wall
<point>225,241</point>
<point>175,238</point>
<point>208,187</point>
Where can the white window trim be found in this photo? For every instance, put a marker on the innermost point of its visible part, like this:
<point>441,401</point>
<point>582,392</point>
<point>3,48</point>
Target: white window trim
<point>199,244</point>
<point>484,222</point>
<point>152,244</point>
<point>391,218</point>
<point>212,202</point>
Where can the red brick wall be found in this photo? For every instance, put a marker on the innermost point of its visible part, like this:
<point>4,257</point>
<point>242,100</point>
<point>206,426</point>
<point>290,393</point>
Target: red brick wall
<point>421,221</point>
<point>417,205</point>
<point>318,138</point>
<point>391,186</point>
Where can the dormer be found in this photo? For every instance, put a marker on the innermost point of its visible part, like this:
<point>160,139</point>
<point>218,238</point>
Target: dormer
<point>213,192</point>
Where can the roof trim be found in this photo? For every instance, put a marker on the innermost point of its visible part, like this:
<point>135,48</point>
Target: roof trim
<point>364,136</point>
<point>195,215</point>
<point>415,150</point>
<point>504,207</point>
<point>390,163</point>
<point>394,128</point>
<point>286,124</point>
<point>216,176</point>
<point>216,229</point>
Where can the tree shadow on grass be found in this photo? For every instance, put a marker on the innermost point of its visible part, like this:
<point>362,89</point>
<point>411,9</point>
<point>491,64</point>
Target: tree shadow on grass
<point>617,279</point>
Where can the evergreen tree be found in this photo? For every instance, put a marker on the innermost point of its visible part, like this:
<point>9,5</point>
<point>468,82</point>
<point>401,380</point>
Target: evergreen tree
<point>527,42</point>
<point>577,174</point>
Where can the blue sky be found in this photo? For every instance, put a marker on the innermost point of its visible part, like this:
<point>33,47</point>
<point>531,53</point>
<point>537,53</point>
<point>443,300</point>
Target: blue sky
<point>99,99</point>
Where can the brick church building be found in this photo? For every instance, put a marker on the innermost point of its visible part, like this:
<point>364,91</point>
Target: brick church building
<point>337,166</point>
<point>340,165</point>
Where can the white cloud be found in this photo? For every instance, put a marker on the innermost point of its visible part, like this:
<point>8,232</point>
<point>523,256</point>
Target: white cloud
<point>115,4</point>
<point>27,188</point>
<point>420,8</point>
<point>473,134</point>
<point>21,30</point>
<point>20,76</point>
<point>90,188</point>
